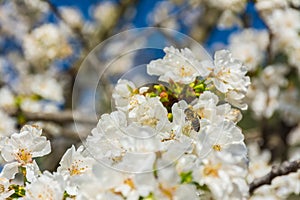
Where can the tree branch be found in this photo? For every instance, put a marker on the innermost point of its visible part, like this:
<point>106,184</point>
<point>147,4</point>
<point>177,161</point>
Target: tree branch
<point>61,117</point>
<point>283,169</point>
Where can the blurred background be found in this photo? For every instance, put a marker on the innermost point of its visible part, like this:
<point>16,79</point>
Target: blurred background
<point>43,44</point>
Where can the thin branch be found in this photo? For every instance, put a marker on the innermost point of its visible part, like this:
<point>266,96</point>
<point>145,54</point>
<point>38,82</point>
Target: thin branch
<point>283,169</point>
<point>61,117</point>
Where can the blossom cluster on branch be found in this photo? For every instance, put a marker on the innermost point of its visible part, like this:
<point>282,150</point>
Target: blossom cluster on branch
<point>177,139</point>
<point>221,128</point>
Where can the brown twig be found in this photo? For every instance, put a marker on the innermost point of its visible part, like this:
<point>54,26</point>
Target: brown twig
<point>61,117</point>
<point>283,169</point>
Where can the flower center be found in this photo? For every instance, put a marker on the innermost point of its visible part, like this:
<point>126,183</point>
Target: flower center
<point>212,170</point>
<point>2,188</point>
<point>167,191</point>
<point>217,147</point>
<point>23,156</point>
<point>150,122</point>
<point>130,183</point>
<point>184,72</point>
<point>75,169</point>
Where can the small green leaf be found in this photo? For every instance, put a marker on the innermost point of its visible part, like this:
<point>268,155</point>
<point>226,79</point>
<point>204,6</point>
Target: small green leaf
<point>186,177</point>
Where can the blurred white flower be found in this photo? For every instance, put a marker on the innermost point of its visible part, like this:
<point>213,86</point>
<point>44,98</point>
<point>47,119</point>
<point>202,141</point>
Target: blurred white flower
<point>269,5</point>
<point>287,20</point>
<point>264,100</point>
<point>263,94</point>
<point>45,44</point>
<point>229,77</point>
<point>162,15</point>
<point>249,46</point>
<point>7,125</point>
<point>294,136</point>
<point>259,162</point>
<point>229,19</point>
<point>9,18</point>
<point>289,105</point>
<point>37,5</point>
<point>46,87</point>
<point>274,75</point>
<point>32,106</point>
<point>296,3</point>
<point>294,54</point>
<point>7,100</point>
<point>234,5</point>
<point>105,13</point>
<point>72,17</point>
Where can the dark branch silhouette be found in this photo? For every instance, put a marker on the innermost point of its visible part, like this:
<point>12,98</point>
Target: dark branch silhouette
<point>283,169</point>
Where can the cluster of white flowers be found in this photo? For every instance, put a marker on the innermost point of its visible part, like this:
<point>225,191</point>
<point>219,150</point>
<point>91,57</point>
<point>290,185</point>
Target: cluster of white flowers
<point>162,15</point>
<point>105,13</point>
<point>45,44</point>
<point>177,139</point>
<point>225,74</point>
<point>156,145</point>
<point>263,94</point>
<point>235,5</point>
<point>287,41</point>
<point>249,46</point>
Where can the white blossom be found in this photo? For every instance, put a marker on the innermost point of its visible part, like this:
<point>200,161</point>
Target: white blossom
<point>228,19</point>
<point>44,44</point>
<point>75,167</point>
<point>105,13</point>
<point>5,191</point>
<point>161,15</point>
<point>7,100</point>
<point>234,5</point>
<point>72,17</point>
<point>7,124</point>
<point>46,186</point>
<point>258,162</point>
<point>178,66</point>
<point>223,176</point>
<point>149,111</point>
<point>229,77</point>
<point>47,88</point>
<point>264,91</point>
<point>269,5</point>
<point>249,47</point>
<point>21,148</point>
<point>287,20</point>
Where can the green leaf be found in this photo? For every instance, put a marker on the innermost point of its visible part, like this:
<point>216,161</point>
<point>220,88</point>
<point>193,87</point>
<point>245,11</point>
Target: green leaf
<point>186,177</point>
<point>149,197</point>
<point>19,191</point>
